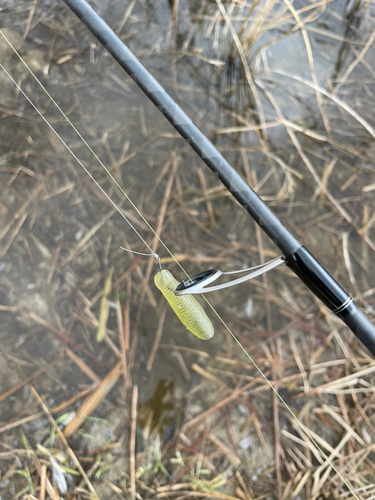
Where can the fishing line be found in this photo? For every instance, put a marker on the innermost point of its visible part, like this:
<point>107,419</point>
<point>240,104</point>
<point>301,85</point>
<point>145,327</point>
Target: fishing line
<point>268,382</point>
<point>91,151</point>
<point>82,165</point>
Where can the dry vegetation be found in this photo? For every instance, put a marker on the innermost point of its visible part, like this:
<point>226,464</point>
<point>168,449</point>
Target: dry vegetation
<point>102,392</point>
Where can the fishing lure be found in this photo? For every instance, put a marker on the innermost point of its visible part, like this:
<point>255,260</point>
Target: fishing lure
<point>187,308</point>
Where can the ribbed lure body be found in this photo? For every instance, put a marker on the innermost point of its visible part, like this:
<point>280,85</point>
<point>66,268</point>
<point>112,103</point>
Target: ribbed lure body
<point>186,307</point>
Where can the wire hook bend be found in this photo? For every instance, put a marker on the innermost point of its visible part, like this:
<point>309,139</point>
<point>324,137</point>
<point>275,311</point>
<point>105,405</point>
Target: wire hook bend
<point>198,283</point>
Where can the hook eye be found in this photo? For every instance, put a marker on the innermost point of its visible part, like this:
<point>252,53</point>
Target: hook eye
<point>197,282</point>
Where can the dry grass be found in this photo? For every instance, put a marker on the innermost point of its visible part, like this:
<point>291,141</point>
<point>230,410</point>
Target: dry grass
<point>286,92</point>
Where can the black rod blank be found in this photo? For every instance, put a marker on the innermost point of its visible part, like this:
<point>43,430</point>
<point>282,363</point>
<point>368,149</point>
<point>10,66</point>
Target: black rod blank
<point>318,280</point>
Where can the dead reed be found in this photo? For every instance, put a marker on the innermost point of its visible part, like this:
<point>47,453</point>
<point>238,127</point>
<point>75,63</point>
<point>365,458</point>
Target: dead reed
<point>286,91</point>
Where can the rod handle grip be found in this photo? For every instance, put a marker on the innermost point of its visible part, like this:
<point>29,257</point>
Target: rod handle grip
<point>324,286</point>
<point>362,328</point>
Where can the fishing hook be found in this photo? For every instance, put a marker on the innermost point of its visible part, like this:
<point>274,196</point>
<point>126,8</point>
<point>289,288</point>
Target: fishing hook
<point>199,282</point>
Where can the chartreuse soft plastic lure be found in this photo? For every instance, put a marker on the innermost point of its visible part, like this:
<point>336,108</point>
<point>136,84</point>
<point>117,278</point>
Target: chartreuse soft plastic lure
<point>186,307</point>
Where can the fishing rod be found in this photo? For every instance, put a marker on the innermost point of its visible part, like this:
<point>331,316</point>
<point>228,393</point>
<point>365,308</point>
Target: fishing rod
<point>295,255</point>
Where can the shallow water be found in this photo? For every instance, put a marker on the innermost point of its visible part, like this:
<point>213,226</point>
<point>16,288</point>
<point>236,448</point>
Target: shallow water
<point>51,275</point>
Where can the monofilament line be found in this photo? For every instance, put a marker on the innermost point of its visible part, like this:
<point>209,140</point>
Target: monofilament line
<point>94,154</point>
<point>84,168</point>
